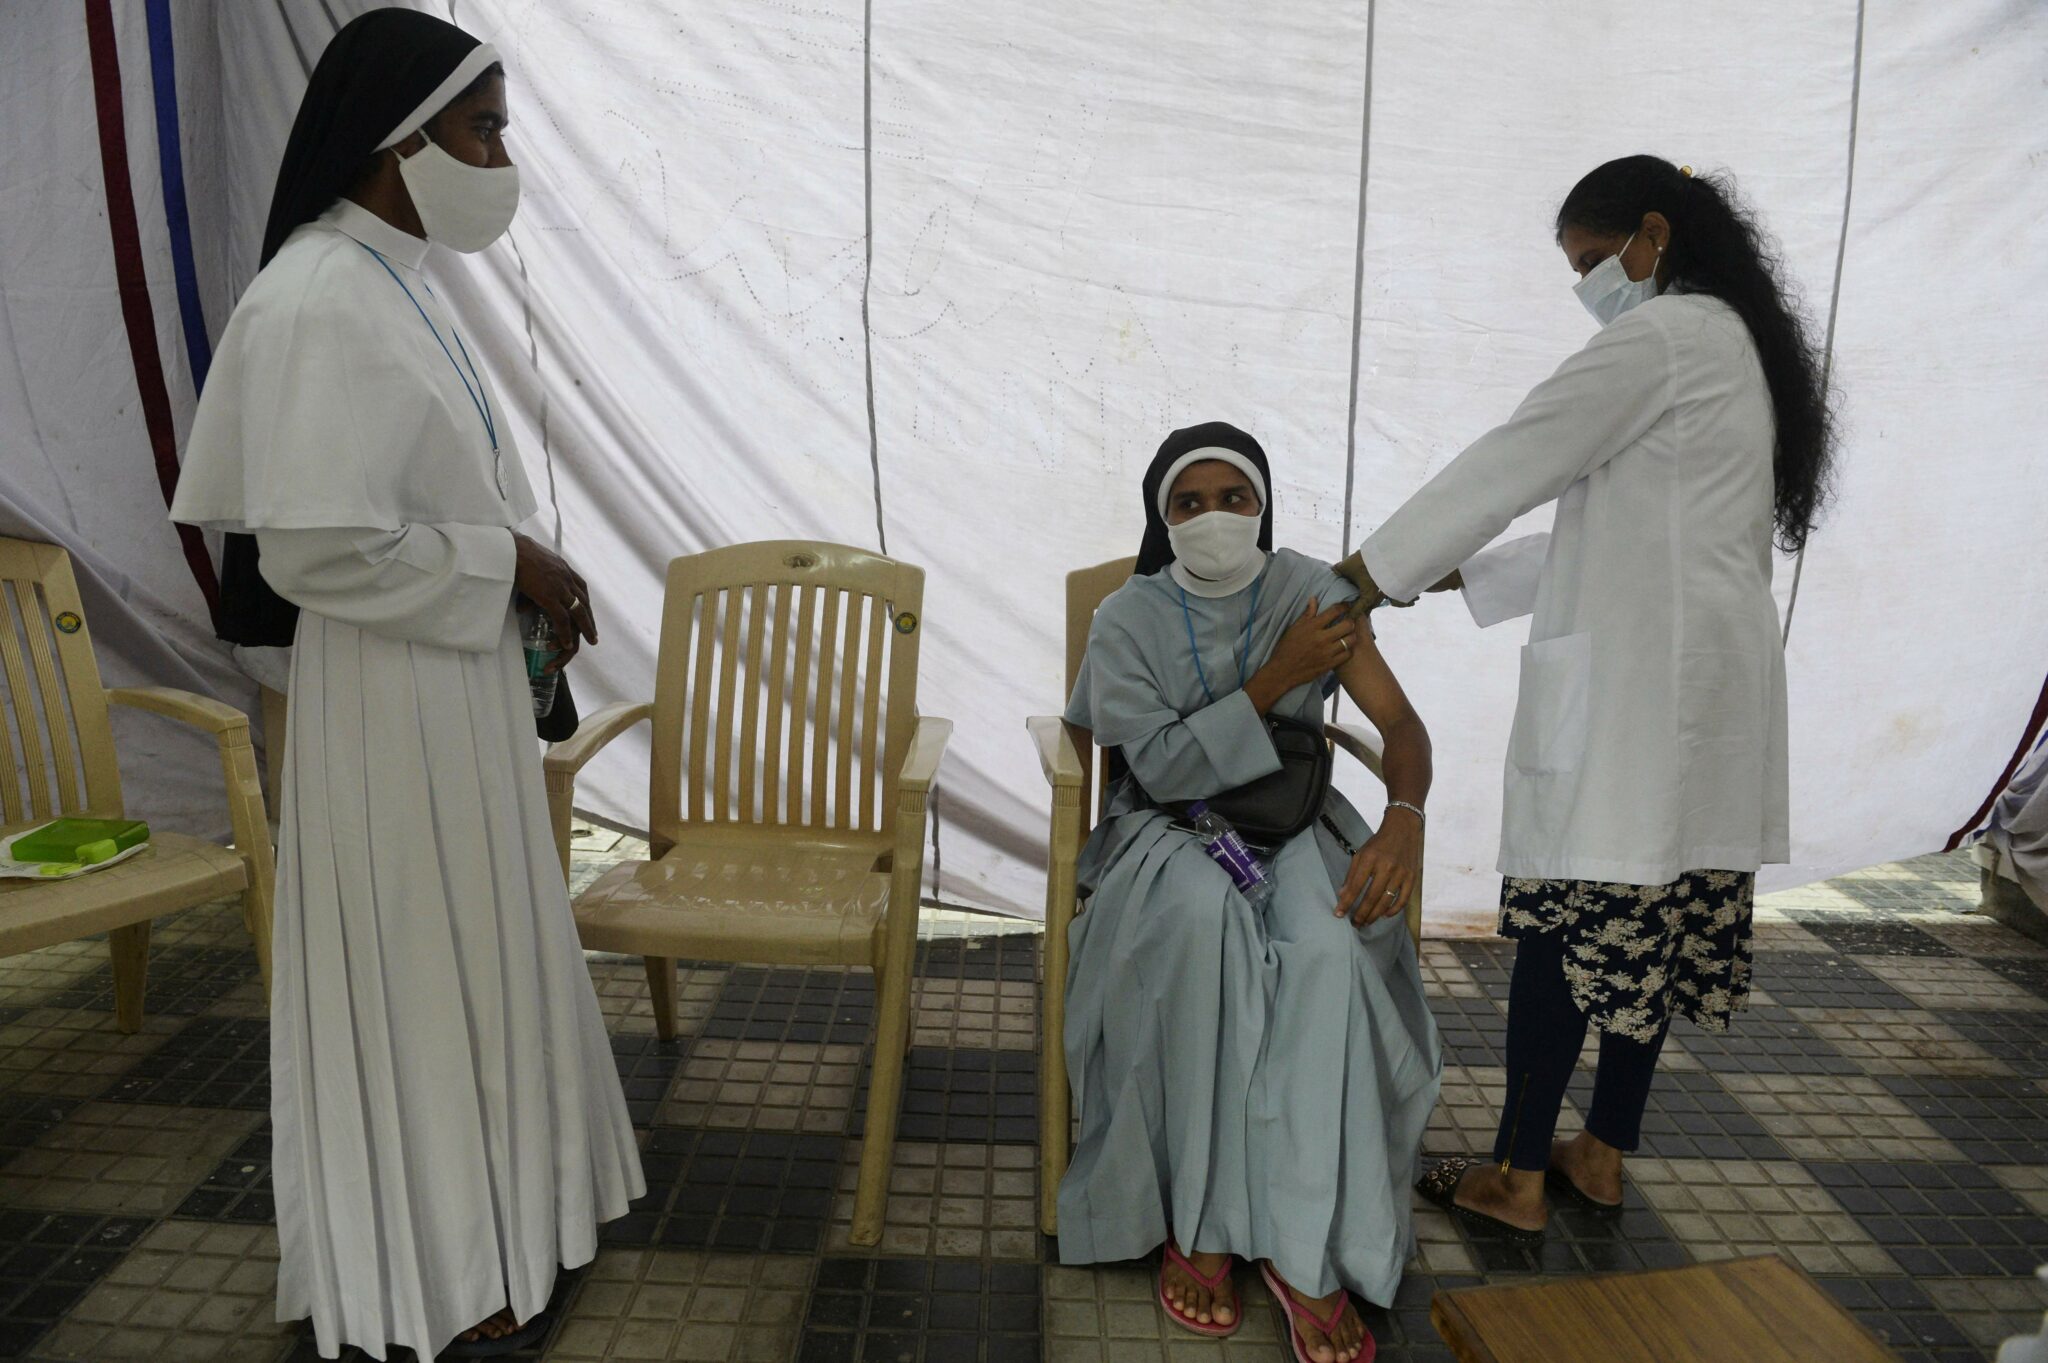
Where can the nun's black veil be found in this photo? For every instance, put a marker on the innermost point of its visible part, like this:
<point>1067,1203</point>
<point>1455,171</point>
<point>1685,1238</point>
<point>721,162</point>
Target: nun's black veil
<point>374,72</point>
<point>1156,552</point>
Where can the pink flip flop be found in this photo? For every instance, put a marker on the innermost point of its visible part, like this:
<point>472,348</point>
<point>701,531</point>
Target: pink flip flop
<point>1367,1349</point>
<point>1175,1258</point>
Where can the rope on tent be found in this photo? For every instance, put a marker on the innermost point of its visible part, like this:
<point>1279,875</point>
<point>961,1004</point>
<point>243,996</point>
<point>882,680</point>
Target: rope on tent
<point>1827,364</point>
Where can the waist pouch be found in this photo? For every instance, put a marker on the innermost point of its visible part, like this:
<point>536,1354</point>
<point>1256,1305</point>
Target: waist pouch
<point>1277,806</point>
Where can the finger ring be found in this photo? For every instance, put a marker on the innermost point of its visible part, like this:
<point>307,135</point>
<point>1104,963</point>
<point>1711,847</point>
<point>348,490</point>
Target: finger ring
<point>1346,643</point>
<point>1390,894</point>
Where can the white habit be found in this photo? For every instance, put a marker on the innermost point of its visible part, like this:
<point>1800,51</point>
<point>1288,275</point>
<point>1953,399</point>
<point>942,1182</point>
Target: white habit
<point>1649,735</point>
<point>449,1126</point>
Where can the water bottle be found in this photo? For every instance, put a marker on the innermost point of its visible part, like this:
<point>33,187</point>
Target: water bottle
<point>1228,850</point>
<point>539,638</point>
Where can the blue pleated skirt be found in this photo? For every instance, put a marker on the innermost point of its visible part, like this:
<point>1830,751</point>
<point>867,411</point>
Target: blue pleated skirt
<point>1256,1083</point>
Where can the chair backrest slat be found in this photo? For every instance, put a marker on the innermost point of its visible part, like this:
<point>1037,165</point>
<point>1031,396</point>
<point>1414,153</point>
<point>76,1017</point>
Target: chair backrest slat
<point>815,690</point>
<point>23,710</point>
<point>13,809</point>
<point>700,708</point>
<point>25,707</point>
<point>821,726</point>
<point>35,615</point>
<point>56,745</point>
<point>772,802</point>
<point>750,703</point>
<point>871,718</point>
<point>799,701</point>
<point>845,760</point>
<point>728,675</point>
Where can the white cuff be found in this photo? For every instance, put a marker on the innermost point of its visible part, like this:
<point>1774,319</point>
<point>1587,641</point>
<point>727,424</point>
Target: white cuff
<point>1500,582</point>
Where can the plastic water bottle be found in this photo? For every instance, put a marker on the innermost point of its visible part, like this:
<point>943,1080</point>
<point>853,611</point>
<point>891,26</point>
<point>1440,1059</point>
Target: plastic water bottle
<point>1228,850</point>
<point>539,638</point>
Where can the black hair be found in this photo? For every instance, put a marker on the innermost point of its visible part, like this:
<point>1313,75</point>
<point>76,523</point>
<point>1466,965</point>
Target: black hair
<point>1718,248</point>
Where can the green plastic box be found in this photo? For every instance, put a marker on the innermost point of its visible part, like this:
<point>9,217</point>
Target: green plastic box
<point>85,842</point>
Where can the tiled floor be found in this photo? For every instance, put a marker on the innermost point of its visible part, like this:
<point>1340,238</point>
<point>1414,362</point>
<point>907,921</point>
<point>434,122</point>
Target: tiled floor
<point>1880,1117</point>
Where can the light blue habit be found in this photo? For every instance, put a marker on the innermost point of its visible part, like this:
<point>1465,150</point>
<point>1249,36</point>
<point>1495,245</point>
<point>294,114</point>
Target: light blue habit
<point>1258,1084</point>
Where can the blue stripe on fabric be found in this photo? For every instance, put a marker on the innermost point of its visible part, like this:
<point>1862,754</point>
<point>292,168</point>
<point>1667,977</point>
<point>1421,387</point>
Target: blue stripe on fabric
<point>163,75</point>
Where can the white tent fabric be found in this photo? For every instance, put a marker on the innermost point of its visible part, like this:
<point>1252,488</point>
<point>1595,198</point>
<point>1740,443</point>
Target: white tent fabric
<point>938,277</point>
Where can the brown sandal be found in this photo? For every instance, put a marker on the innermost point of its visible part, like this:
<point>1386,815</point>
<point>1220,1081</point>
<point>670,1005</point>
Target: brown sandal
<point>1440,1187</point>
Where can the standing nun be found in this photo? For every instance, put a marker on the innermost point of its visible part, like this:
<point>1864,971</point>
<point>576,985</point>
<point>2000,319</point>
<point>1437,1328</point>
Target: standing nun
<point>448,1124</point>
<point>1253,1081</point>
<point>1646,774</point>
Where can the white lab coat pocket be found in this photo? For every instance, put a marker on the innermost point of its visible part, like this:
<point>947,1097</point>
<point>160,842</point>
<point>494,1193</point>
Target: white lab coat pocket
<point>1551,710</point>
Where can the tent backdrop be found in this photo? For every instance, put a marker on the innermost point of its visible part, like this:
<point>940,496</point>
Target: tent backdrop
<point>936,278</point>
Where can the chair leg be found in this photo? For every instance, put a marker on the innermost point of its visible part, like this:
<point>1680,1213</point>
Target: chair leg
<point>1055,1098</point>
<point>885,1097</point>
<point>274,740</point>
<point>259,907</point>
<point>129,948</point>
<point>661,987</point>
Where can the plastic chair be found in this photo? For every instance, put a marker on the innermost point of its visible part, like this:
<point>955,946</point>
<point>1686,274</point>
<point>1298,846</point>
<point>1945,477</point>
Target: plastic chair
<point>57,758</point>
<point>1079,778</point>
<point>787,791</point>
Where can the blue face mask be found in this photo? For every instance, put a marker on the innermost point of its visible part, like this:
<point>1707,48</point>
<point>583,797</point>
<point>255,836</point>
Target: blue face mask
<point>1608,292</point>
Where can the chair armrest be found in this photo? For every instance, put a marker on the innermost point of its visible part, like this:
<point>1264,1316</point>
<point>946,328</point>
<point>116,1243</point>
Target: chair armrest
<point>1362,743</point>
<point>209,716</point>
<point>573,753</point>
<point>247,815</point>
<point>1059,757</point>
<point>921,762</point>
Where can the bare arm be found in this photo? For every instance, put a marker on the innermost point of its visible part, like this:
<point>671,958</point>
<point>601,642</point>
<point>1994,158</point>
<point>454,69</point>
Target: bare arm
<point>1388,868</point>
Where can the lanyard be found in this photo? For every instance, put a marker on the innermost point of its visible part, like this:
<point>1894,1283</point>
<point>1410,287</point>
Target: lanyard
<point>1242,658</point>
<point>476,390</point>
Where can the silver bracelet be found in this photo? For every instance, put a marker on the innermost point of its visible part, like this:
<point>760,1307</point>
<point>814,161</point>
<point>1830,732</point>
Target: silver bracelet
<point>1416,810</point>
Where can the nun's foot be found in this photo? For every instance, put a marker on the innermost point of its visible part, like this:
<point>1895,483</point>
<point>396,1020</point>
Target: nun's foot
<point>495,1326</point>
<point>1194,1298</point>
<point>1342,1344</point>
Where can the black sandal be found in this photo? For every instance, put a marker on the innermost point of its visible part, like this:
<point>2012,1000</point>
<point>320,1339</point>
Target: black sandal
<point>526,1336</point>
<point>1440,1187</point>
<point>1558,1181</point>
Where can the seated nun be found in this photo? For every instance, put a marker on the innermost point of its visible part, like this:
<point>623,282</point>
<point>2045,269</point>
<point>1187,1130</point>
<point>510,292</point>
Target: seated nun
<point>1254,1067</point>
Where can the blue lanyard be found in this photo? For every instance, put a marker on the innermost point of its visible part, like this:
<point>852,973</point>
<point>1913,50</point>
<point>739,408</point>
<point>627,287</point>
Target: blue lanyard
<point>476,390</point>
<point>1243,658</point>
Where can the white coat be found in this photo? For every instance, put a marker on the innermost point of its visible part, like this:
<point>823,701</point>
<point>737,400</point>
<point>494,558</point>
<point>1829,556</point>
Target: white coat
<point>1649,732</point>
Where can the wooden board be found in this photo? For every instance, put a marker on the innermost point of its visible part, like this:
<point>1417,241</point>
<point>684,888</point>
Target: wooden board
<point>1760,1310</point>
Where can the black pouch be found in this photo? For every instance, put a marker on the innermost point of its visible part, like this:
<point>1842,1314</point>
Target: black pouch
<point>561,720</point>
<point>1274,808</point>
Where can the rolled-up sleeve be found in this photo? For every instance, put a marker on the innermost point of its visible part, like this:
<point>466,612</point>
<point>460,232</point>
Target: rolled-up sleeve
<point>449,585</point>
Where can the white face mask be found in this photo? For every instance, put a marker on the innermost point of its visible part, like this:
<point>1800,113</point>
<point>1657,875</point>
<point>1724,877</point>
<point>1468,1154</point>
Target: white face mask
<point>1608,292</point>
<point>463,207</point>
<point>1217,553</point>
